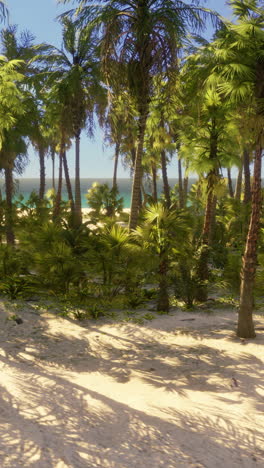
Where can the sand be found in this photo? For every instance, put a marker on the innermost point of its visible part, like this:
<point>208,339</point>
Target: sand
<point>169,393</point>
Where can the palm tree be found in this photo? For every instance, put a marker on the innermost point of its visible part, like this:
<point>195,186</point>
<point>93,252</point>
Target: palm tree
<point>73,73</point>
<point>117,124</point>
<point>158,144</point>
<point>13,155</point>
<point>14,102</point>
<point>157,235</point>
<point>58,131</point>
<point>240,76</point>
<point>41,144</point>
<point>10,96</point>
<point>22,48</point>
<point>209,135</point>
<point>138,39</point>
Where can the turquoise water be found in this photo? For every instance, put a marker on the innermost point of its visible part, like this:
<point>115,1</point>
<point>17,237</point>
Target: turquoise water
<point>26,186</point>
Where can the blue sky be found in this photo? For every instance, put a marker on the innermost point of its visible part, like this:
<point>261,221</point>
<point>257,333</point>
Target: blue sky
<point>38,16</point>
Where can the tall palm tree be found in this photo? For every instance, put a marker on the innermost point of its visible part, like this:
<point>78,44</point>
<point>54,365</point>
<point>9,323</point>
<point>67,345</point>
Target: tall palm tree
<point>21,47</point>
<point>159,143</point>
<point>15,101</point>
<point>240,76</point>
<point>58,124</point>
<point>73,72</point>
<point>10,95</point>
<point>145,36</point>
<point>40,143</point>
<point>210,136</point>
<point>119,119</point>
<point>13,157</point>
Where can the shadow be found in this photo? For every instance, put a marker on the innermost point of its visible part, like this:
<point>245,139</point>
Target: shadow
<point>98,431</point>
<point>162,360</point>
<point>48,418</point>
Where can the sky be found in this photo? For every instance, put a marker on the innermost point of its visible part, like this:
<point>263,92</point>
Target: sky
<point>39,17</point>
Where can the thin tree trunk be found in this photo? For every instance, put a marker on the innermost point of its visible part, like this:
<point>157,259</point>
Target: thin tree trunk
<point>247,187</point>
<point>137,178</point>
<point>53,169</point>
<point>230,184</point>
<point>133,156</point>
<point>181,194</point>
<point>9,221</point>
<point>42,184</point>
<point>185,185</point>
<point>154,182</point>
<point>166,187</point>
<point>78,200</point>
<point>1,216</point>
<point>117,149</point>
<point>57,202</point>
<point>245,327</point>
<point>68,181</point>
<point>239,184</point>
<point>202,267</point>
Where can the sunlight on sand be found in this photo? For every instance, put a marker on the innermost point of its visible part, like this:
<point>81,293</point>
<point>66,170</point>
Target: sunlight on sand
<point>98,394</point>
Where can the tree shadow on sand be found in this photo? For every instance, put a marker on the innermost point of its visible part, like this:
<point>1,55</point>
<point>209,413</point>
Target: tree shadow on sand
<point>50,419</point>
<point>99,431</point>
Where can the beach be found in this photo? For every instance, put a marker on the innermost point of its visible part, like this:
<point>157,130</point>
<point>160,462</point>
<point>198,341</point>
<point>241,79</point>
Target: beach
<point>176,391</point>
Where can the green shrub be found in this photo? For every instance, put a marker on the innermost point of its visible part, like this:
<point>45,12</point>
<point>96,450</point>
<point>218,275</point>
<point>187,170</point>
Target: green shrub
<point>104,200</point>
<point>14,260</point>
<point>134,301</point>
<point>15,287</point>
<point>231,272</point>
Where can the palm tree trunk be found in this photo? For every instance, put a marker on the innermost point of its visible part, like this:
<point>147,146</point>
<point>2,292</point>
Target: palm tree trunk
<point>117,148</point>
<point>42,184</point>
<point>53,169</point>
<point>137,178</point>
<point>78,201</point>
<point>154,182</point>
<point>9,221</point>
<point>1,216</point>
<point>245,327</point>
<point>239,184</point>
<point>181,194</point>
<point>202,267</point>
<point>247,188</point>
<point>230,184</point>
<point>185,185</point>
<point>133,156</point>
<point>166,187</point>
<point>56,210</point>
<point>68,181</point>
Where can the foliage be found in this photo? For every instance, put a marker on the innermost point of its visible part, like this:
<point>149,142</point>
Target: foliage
<point>104,201</point>
<point>15,286</point>
<point>157,93</point>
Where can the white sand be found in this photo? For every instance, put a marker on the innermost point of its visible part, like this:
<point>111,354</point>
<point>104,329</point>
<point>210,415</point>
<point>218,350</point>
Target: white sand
<point>171,393</point>
<point>86,211</point>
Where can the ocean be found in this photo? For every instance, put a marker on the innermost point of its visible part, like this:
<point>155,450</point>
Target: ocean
<point>26,186</point>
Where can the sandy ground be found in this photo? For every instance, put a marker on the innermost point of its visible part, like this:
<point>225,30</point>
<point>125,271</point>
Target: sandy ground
<point>169,393</point>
